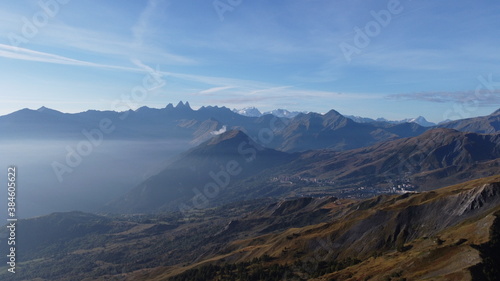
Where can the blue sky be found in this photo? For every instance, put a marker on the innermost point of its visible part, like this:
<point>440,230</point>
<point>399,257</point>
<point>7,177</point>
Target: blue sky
<point>439,59</point>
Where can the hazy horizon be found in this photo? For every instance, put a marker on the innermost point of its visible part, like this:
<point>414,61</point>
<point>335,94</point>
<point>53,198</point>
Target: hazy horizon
<point>113,168</point>
<point>197,107</point>
<point>395,58</point>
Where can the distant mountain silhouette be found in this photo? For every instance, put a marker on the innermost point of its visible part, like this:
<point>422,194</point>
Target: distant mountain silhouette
<point>483,125</point>
<point>420,120</point>
<point>201,174</point>
<point>334,131</point>
<point>302,132</point>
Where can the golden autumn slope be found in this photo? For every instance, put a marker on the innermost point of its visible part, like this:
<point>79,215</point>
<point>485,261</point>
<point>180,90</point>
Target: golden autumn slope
<point>432,235</point>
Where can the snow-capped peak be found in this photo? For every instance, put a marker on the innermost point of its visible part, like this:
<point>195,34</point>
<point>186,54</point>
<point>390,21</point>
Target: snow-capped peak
<point>283,113</point>
<point>421,121</point>
<point>248,111</point>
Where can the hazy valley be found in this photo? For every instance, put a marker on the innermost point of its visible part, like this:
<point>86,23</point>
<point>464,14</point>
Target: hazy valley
<point>209,194</point>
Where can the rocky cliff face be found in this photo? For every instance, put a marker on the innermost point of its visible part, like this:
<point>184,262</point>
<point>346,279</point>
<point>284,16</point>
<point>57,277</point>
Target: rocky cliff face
<point>400,220</point>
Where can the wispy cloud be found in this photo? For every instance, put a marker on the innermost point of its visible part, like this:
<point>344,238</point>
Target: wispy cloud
<point>140,64</point>
<point>102,43</point>
<point>225,90</point>
<point>219,81</point>
<point>281,95</point>
<point>141,27</point>
<point>481,97</point>
<point>18,53</point>
<point>220,131</point>
<point>215,90</point>
<point>239,91</point>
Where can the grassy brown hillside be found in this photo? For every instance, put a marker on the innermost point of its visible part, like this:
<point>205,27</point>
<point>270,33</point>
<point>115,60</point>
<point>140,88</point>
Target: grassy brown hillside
<point>427,236</point>
<point>447,234</point>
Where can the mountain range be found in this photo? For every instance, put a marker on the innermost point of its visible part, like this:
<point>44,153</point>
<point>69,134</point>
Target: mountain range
<point>301,132</point>
<point>420,120</point>
<point>313,154</point>
<point>202,176</point>
<point>308,197</point>
<point>437,158</point>
<point>254,112</point>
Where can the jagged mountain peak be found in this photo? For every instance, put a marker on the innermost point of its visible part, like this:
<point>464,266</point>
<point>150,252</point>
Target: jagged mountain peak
<point>284,113</point>
<point>182,105</point>
<point>332,113</point>
<point>44,109</point>
<point>248,111</point>
<point>421,121</point>
<point>255,112</point>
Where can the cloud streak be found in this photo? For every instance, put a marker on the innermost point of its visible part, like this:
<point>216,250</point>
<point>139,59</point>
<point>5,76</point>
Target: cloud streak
<point>224,90</point>
<point>106,44</point>
<point>214,90</point>
<point>142,25</point>
<point>18,53</point>
<point>481,97</point>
